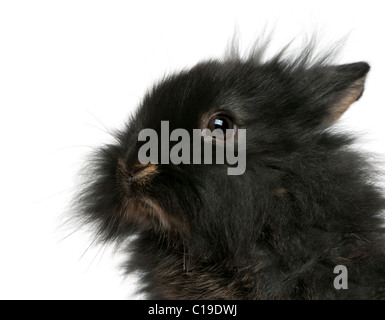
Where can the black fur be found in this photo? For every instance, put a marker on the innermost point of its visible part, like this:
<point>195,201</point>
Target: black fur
<point>306,203</point>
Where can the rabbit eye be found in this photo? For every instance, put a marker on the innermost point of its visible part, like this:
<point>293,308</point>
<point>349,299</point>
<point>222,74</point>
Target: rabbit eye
<point>223,122</point>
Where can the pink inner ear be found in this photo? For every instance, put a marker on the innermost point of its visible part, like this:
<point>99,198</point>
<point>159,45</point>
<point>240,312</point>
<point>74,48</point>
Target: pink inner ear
<point>350,95</point>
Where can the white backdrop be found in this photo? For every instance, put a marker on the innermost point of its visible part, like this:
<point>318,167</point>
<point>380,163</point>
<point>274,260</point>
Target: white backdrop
<point>71,70</point>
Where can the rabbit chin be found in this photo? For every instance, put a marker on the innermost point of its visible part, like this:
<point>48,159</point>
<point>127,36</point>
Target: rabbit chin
<point>148,213</point>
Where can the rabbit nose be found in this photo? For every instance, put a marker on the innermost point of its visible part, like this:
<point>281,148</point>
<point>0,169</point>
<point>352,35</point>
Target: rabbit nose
<point>141,171</point>
<point>137,171</point>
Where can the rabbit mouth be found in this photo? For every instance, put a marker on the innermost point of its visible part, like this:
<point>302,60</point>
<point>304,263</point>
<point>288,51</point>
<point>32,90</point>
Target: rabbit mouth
<point>139,204</point>
<point>134,181</point>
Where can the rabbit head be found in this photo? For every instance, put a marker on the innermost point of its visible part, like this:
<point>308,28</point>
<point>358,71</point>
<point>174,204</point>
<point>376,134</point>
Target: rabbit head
<point>285,107</point>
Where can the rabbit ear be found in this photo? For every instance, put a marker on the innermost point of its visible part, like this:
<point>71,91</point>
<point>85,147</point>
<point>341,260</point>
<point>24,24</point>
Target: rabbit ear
<point>350,81</point>
<point>336,88</point>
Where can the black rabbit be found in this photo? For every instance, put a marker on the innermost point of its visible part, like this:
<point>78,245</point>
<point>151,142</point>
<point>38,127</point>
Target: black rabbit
<point>306,203</point>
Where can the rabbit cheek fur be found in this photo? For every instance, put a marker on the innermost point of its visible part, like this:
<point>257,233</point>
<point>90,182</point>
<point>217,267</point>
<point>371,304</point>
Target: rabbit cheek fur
<point>306,203</point>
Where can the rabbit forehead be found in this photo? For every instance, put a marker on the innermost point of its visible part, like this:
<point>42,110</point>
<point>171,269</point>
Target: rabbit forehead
<point>180,99</point>
<point>186,97</point>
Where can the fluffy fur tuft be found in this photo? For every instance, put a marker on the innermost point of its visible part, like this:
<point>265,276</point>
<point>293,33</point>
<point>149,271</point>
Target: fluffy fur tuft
<point>306,203</point>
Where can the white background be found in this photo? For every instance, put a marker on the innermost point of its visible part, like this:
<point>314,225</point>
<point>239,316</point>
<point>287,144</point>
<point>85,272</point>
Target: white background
<point>72,70</point>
